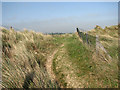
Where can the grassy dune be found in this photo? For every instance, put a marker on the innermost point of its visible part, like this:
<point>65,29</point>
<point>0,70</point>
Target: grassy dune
<point>75,65</point>
<point>109,39</point>
<point>24,56</point>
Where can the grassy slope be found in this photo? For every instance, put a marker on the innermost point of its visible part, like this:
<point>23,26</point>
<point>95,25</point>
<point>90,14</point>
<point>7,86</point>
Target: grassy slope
<point>72,59</point>
<point>24,57</point>
<point>109,39</point>
<point>75,62</point>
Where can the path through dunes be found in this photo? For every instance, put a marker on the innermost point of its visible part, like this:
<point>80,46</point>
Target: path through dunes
<point>66,70</point>
<point>49,64</point>
<point>75,67</point>
<point>66,61</point>
<point>62,60</point>
<point>35,60</point>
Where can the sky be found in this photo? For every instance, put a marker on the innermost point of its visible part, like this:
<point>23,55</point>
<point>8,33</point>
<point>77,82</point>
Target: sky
<point>63,17</point>
<point>0,13</point>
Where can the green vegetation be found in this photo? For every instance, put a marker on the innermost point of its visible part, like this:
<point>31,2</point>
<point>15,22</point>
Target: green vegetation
<point>86,68</point>
<point>87,38</point>
<point>109,39</point>
<point>75,64</point>
<point>79,55</point>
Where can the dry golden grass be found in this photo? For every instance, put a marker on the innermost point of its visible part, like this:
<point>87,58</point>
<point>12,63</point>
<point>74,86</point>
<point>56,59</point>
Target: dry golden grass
<point>75,64</point>
<point>24,55</point>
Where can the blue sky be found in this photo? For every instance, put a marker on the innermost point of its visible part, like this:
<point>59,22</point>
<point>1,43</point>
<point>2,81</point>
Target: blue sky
<point>0,13</point>
<point>59,16</point>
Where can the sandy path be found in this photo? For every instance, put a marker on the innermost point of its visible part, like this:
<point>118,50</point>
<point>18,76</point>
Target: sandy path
<point>70,77</point>
<point>49,64</point>
<point>68,69</point>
